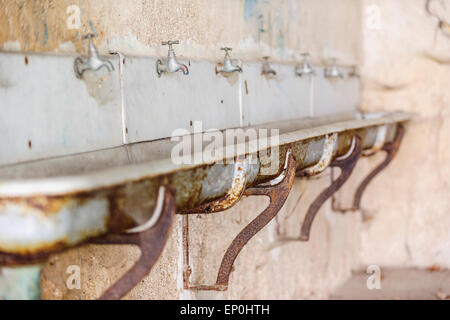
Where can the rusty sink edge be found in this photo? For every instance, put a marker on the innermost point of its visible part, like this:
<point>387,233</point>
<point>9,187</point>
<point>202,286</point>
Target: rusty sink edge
<point>36,226</point>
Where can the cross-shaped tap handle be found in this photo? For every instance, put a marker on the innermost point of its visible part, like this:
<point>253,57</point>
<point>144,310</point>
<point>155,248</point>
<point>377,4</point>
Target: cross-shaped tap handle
<point>170,43</point>
<point>226,49</point>
<point>89,36</point>
<point>305,55</point>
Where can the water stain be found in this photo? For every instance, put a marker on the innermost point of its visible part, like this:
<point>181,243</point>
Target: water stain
<point>101,85</point>
<point>45,37</point>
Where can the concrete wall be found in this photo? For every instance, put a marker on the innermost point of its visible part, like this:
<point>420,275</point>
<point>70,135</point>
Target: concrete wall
<point>406,66</point>
<point>254,28</point>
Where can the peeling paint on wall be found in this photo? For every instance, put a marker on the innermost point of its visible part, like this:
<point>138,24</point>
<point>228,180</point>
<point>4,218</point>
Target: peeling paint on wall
<point>253,27</point>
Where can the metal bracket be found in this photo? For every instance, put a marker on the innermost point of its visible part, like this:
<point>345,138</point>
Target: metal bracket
<point>277,192</point>
<point>346,164</point>
<point>391,150</point>
<point>151,238</point>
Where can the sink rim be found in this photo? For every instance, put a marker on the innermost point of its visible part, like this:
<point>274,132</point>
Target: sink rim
<point>103,178</point>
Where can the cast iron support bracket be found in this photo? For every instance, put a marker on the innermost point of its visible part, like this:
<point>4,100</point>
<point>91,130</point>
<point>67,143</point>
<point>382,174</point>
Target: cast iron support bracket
<point>277,193</point>
<point>346,164</point>
<point>391,150</point>
<point>150,238</point>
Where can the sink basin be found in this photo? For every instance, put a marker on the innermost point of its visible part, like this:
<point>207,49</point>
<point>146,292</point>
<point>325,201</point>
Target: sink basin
<point>51,204</point>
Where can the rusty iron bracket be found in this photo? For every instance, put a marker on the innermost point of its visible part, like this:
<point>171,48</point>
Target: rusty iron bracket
<point>277,192</point>
<point>150,238</point>
<point>346,164</point>
<point>391,150</point>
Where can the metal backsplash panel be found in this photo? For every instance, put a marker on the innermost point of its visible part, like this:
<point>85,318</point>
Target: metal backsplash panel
<point>156,106</point>
<point>333,96</point>
<point>46,111</point>
<point>273,98</point>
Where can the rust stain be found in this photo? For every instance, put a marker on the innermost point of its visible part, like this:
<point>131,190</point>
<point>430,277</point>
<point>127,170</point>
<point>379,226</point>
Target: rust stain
<point>30,144</point>
<point>26,60</point>
<point>434,268</point>
<point>46,204</point>
<point>26,256</point>
<point>246,87</point>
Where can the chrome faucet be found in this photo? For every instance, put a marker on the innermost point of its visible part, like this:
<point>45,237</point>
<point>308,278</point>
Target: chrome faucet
<point>333,72</point>
<point>266,69</point>
<point>172,63</point>
<point>228,66</point>
<point>305,69</point>
<point>354,73</point>
<point>93,62</point>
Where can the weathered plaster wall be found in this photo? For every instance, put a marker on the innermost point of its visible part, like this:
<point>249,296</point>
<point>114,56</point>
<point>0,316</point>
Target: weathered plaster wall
<point>254,28</point>
<point>406,66</point>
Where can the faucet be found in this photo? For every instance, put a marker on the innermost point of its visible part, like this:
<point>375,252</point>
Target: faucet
<point>93,62</point>
<point>266,69</point>
<point>228,66</point>
<point>305,69</point>
<point>333,72</point>
<point>172,63</point>
<point>354,73</point>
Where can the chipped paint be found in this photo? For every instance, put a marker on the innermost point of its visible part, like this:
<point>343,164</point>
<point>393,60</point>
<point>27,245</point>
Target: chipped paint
<point>259,27</point>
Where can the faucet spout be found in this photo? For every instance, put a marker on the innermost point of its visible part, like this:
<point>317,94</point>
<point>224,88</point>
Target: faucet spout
<point>333,71</point>
<point>172,64</point>
<point>266,69</point>
<point>228,66</point>
<point>93,62</point>
<point>184,69</point>
<point>305,69</point>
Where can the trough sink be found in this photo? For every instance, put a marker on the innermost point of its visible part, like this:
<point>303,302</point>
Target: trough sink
<point>50,204</point>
